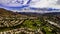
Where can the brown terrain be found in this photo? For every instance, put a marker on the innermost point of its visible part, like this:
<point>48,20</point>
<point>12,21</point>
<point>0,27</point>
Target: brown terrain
<point>15,23</point>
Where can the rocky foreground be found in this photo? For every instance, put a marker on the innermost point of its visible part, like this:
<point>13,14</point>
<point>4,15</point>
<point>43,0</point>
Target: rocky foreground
<point>15,23</point>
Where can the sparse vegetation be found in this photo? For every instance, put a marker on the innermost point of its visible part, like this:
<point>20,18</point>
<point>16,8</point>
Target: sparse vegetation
<point>30,22</point>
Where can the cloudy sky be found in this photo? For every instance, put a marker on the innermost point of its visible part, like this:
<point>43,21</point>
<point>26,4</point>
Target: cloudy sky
<point>45,3</point>
<point>32,4</point>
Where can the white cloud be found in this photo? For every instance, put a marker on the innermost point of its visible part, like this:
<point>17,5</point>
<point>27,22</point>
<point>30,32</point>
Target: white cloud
<point>13,3</point>
<point>44,3</point>
<point>33,3</point>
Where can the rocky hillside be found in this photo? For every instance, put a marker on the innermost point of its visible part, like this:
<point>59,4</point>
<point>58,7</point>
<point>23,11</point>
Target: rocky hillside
<point>18,23</point>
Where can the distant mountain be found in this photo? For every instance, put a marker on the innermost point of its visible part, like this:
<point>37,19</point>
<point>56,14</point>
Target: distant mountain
<point>8,13</point>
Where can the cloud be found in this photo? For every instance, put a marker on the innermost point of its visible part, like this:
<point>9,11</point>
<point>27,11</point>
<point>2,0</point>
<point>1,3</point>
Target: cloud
<point>13,3</point>
<point>44,4</point>
<point>33,3</point>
